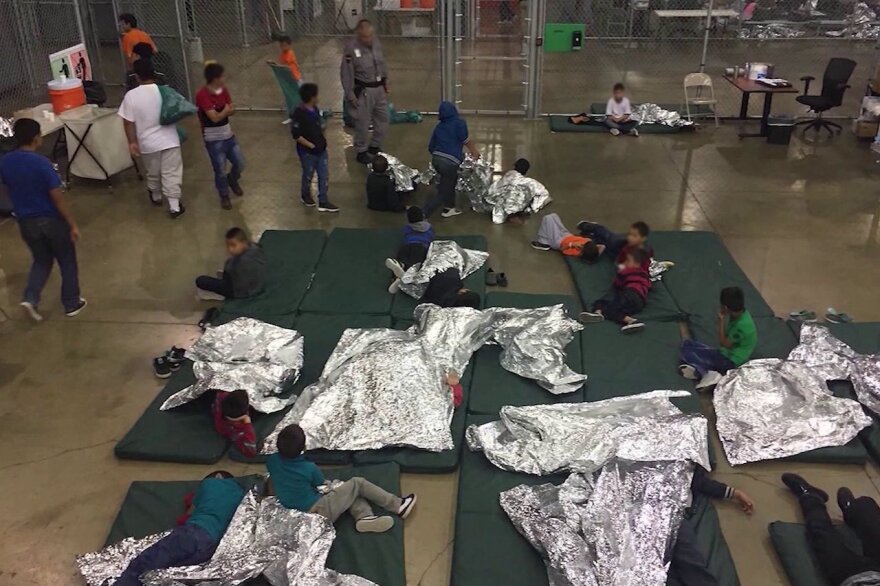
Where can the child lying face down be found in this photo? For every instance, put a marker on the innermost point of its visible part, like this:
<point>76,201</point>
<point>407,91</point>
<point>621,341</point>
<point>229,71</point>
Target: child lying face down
<point>232,420</point>
<point>447,289</point>
<point>627,296</point>
<point>295,480</point>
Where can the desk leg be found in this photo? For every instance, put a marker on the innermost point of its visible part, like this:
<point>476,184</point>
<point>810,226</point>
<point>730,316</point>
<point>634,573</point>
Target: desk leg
<point>744,106</point>
<point>765,115</point>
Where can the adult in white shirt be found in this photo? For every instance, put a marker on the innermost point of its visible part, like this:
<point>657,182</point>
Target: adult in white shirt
<point>618,113</point>
<point>157,145</point>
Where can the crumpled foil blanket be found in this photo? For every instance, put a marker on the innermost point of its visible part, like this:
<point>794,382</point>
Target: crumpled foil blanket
<point>474,177</point>
<point>244,354</point>
<point>442,255</point>
<point>860,24</point>
<point>582,437</point>
<point>656,269</point>
<point>383,387</point>
<point>403,176</point>
<point>512,194</point>
<point>286,546</point>
<point>611,528</point>
<point>770,31</point>
<point>773,408</point>
<point>654,114</point>
<point>6,127</point>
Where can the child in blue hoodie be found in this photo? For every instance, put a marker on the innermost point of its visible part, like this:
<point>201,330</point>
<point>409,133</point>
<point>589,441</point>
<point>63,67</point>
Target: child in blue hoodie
<point>417,238</point>
<point>447,145</point>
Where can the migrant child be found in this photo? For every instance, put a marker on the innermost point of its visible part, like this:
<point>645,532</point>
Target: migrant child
<point>311,146</point>
<point>146,52</point>
<point>617,246</point>
<point>288,57</point>
<point>132,36</point>
<point>520,169</point>
<point>737,338</point>
<point>232,420</point>
<point>244,274</point>
<point>193,542</point>
<point>295,481</point>
<point>553,235</point>
<point>417,238</point>
<point>627,297</point>
<point>618,113</point>
<point>382,193</point>
<point>447,289</point>
<point>215,109</point>
<point>448,141</point>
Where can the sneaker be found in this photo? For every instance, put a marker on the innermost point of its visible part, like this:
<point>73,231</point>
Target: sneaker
<point>161,367</point>
<point>845,498</point>
<point>393,265</point>
<point>175,357</point>
<point>374,150</point>
<point>634,132</point>
<point>207,318</point>
<point>409,503</point>
<point>225,203</point>
<point>711,379</point>
<point>633,328</point>
<point>31,310</point>
<point>688,371</point>
<point>614,132</point>
<point>800,487</point>
<point>203,295</point>
<point>178,213</point>
<point>802,315</point>
<point>309,202</point>
<point>328,207</point>
<point>364,158</point>
<point>540,246</point>
<point>234,186</point>
<point>154,201</point>
<point>591,317</point>
<point>374,524</point>
<point>76,310</point>
<point>491,278</point>
<point>451,212</point>
<point>394,287</point>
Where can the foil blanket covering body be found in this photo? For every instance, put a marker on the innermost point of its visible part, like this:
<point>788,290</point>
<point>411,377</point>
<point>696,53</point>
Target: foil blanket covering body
<point>512,194</point>
<point>860,24</point>
<point>6,127</point>
<point>772,408</point>
<point>770,31</point>
<point>654,114</point>
<point>582,437</point>
<point>442,255</point>
<point>403,176</point>
<point>474,177</point>
<point>286,546</point>
<point>247,354</point>
<point>383,387</point>
<point>615,527</point>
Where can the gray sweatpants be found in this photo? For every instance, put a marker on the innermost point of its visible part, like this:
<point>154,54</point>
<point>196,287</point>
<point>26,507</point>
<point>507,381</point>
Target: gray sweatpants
<point>372,109</point>
<point>355,496</point>
<point>164,175</point>
<point>552,231</point>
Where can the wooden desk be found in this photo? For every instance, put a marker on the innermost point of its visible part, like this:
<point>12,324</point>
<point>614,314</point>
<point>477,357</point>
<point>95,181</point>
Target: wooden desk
<point>748,87</point>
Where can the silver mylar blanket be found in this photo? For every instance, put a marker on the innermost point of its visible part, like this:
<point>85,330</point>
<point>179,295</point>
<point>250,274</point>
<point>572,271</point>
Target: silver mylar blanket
<point>582,437</point>
<point>611,528</point>
<point>474,177</point>
<point>442,255</point>
<point>512,194</point>
<point>403,176</point>
<point>654,114</point>
<point>286,546</point>
<point>383,387</point>
<point>773,408</point>
<point>5,127</point>
<point>244,354</point>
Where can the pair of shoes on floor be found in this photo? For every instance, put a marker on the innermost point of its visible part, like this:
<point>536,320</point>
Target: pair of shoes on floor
<point>540,246</point>
<point>31,311</point>
<point>837,317</point>
<point>309,202</point>
<point>377,524</point>
<point>165,365</point>
<point>803,315</point>
<point>801,488</point>
<point>494,279</point>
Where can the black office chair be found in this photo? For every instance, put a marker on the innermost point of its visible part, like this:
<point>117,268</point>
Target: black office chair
<point>834,85</point>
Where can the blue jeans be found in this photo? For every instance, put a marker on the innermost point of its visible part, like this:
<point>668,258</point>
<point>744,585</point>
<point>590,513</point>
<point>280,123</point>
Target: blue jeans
<point>447,169</point>
<point>704,358</point>
<point>187,545</point>
<point>312,164</point>
<point>49,241</point>
<point>613,242</point>
<point>221,151</point>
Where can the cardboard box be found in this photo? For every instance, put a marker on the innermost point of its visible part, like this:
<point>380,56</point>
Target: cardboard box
<point>865,128</point>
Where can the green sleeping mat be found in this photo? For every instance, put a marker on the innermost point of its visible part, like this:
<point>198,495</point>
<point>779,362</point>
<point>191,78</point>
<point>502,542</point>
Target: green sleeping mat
<point>403,305</point>
<point>594,280</point>
<point>152,507</point>
<point>797,557</point>
<point>493,386</point>
<point>703,266</point>
<point>562,124</point>
<point>321,333</point>
<point>291,257</point>
<point>775,339</point>
<point>351,275</point>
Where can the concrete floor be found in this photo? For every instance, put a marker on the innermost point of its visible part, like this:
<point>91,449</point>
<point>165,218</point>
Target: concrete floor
<point>802,221</point>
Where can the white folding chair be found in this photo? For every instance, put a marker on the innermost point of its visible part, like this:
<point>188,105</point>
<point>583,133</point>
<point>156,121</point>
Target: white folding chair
<point>699,82</point>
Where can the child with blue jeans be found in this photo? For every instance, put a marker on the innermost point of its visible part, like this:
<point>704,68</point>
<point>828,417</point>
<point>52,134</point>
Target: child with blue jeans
<point>311,146</point>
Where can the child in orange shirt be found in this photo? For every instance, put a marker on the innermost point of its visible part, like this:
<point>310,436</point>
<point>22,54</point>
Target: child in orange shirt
<point>553,235</point>
<point>288,57</point>
<point>132,36</point>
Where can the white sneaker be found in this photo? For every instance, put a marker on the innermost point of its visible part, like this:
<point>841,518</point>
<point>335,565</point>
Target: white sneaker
<point>688,372</point>
<point>711,379</point>
<point>633,132</point>
<point>394,266</point>
<point>451,212</point>
<point>591,317</point>
<point>394,287</point>
<point>374,524</point>
<point>614,132</point>
<point>31,310</point>
<point>409,503</point>
<point>203,295</point>
<point>632,328</point>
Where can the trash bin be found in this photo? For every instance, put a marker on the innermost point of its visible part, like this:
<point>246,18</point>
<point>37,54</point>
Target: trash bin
<point>779,129</point>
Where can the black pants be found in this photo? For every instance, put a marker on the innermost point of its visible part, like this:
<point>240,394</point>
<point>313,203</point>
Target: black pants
<point>618,304</point>
<point>214,285</point>
<point>837,560</point>
<point>411,254</point>
<point>49,242</point>
<point>612,241</point>
<point>688,564</point>
<point>447,170</point>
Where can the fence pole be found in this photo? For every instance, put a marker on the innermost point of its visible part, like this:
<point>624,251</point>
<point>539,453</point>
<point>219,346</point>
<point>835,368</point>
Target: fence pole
<point>706,37</point>
<point>183,50</point>
<point>536,12</point>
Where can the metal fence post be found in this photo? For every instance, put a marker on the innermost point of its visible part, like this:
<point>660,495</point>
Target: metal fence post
<point>534,57</point>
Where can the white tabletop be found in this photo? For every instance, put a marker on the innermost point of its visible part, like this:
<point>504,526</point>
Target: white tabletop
<point>423,10</point>
<point>695,13</point>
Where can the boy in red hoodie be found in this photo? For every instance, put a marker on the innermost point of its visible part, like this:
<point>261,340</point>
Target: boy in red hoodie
<point>627,296</point>
<point>232,420</point>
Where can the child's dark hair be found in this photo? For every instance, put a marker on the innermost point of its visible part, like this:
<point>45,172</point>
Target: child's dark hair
<point>641,228</point>
<point>291,441</point>
<point>733,299</point>
<point>590,252</point>
<point>237,234</point>
<point>218,474</point>
<point>522,166</point>
<point>284,39</point>
<point>414,214</point>
<point>143,68</point>
<point>639,255</point>
<point>213,71</point>
<point>143,50</point>
<point>380,164</point>
<point>618,87</point>
<point>307,92</point>
<point>128,19</point>
<point>25,131</point>
<point>235,405</point>
<point>468,299</point>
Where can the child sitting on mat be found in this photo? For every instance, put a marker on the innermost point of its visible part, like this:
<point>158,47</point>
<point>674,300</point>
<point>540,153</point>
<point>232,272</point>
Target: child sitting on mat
<point>618,113</point>
<point>295,481</point>
<point>417,238</point>
<point>627,296</point>
<point>553,235</point>
<point>244,273</point>
<point>194,541</point>
<point>737,338</point>
<point>382,195</point>
<point>617,246</point>
<point>232,420</point>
